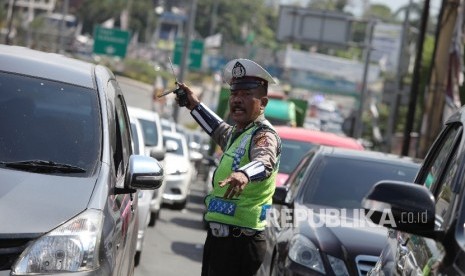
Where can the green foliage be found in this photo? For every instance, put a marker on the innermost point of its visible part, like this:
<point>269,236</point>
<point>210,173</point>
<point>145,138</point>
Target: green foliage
<point>350,53</point>
<point>379,11</point>
<point>333,5</point>
<point>139,70</point>
<point>143,71</point>
<point>237,19</point>
<point>140,17</point>
<point>3,18</point>
<point>92,12</point>
<point>425,74</point>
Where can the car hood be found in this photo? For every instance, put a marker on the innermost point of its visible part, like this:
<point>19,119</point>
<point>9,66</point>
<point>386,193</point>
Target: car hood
<point>37,203</point>
<point>344,234</point>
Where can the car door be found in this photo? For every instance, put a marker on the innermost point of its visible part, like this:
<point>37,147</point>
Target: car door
<point>417,255</point>
<point>123,203</point>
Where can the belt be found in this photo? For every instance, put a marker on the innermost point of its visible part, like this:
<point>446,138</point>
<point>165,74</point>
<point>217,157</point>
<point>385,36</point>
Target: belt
<point>220,230</point>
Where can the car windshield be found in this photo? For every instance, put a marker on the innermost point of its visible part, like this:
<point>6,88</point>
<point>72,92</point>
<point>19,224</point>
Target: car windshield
<point>342,182</point>
<point>292,152</point>
<point>149,128</point>
<point>48,124</point>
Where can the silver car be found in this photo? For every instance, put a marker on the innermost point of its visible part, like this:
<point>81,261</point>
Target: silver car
<point>69,177</point>
<point>145,196</point>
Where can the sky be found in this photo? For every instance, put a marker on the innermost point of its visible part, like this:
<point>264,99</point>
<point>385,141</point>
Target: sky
<point>435,5</point>
<point>393,4</point>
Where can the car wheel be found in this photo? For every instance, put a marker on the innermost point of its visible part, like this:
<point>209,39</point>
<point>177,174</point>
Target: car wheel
<point>137,258</point>
<point>153,218</point>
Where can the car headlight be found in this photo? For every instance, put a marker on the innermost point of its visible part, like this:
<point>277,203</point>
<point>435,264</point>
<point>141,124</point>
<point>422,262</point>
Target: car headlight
<point>338,266</point>
<point>304,252</point>
<point>72,247</point>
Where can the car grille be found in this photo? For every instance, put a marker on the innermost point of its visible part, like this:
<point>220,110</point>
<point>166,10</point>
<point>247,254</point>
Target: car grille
<point>365,263</point>
<point>10,249</point>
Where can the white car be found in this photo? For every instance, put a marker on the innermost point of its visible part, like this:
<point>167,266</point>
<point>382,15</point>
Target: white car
<point>153,140</point>
<point>144,196</point>
<point>178,170</point>
<point>168,125</point>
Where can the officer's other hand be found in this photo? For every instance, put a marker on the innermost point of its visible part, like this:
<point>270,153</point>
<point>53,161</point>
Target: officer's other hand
<point>192,98</point>
<point>237,182</point>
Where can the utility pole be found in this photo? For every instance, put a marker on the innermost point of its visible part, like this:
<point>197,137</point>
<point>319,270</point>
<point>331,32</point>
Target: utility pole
<point>395,99</point>
<point>214,17</point>
<point>434,108</point>
<point>64,13</point>
<point>368,39</point>
<point>185,53</point>
<point>11,8</point>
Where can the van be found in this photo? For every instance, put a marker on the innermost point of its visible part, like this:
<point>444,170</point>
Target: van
<point>69,177</point>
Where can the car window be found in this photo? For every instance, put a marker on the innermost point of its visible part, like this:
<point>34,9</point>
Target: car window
<point>179,150</point>
<point>122,147</point>
<point>292,152</point>
<point>135,139</point>
<point>149,128</point>
<point>342,182</point>
<point>431,176</point>
<point>295,180</point>
<point>440,175</point>
<point>49,121</point>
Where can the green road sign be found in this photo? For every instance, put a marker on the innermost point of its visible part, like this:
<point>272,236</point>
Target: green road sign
<point>195,53</point>
<point>112,42</point>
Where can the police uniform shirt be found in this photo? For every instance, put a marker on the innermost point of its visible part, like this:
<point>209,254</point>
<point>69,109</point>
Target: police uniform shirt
<point>264,146</point>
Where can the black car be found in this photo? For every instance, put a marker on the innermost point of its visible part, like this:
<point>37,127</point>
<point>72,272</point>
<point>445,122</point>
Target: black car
<point>68,176</point>
<point>428,236</point>
<point>317,225</point>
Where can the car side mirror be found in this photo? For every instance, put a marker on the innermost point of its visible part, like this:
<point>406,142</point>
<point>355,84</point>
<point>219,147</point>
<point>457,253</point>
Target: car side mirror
<point>195,156</point>
<point>158,154</point>
<point>279,196</point>
<point>403,206</point>
<point>144,173</point>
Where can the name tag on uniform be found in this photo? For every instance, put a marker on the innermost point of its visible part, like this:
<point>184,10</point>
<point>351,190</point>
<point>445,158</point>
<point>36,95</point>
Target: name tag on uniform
<point>217,205</point>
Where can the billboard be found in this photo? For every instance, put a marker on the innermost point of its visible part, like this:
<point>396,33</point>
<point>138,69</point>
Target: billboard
<point>386,44</point>
<point>301,25</point>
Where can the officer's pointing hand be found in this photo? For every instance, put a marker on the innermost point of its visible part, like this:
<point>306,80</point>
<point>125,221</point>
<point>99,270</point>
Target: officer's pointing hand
<point>237,182</point>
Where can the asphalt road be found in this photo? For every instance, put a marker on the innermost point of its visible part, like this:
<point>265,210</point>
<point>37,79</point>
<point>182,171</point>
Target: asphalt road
<point>174,245</point>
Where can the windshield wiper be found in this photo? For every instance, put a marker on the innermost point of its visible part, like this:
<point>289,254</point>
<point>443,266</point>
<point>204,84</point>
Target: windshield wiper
<point>43,166</point>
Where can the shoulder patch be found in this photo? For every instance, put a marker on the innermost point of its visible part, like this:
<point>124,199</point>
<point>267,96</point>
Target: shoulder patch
<point>261,140</point>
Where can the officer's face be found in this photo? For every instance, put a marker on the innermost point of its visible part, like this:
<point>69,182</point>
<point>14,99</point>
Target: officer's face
<point>246,105</point>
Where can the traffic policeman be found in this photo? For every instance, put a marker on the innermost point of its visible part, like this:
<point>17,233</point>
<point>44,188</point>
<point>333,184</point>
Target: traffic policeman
<point>244,182</point>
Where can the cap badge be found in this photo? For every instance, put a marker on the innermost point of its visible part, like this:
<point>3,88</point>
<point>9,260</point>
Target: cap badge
<point>238,70</point>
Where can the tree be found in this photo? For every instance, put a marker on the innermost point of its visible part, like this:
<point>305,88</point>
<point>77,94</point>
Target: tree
<point>237,20</point>
<point>92,12</point>
<point>141,13</point>
<point>379,11</point>
<point>332,5</point>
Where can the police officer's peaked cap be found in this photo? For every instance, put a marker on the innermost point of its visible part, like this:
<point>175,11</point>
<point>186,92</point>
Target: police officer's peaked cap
<point>246,74</point>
